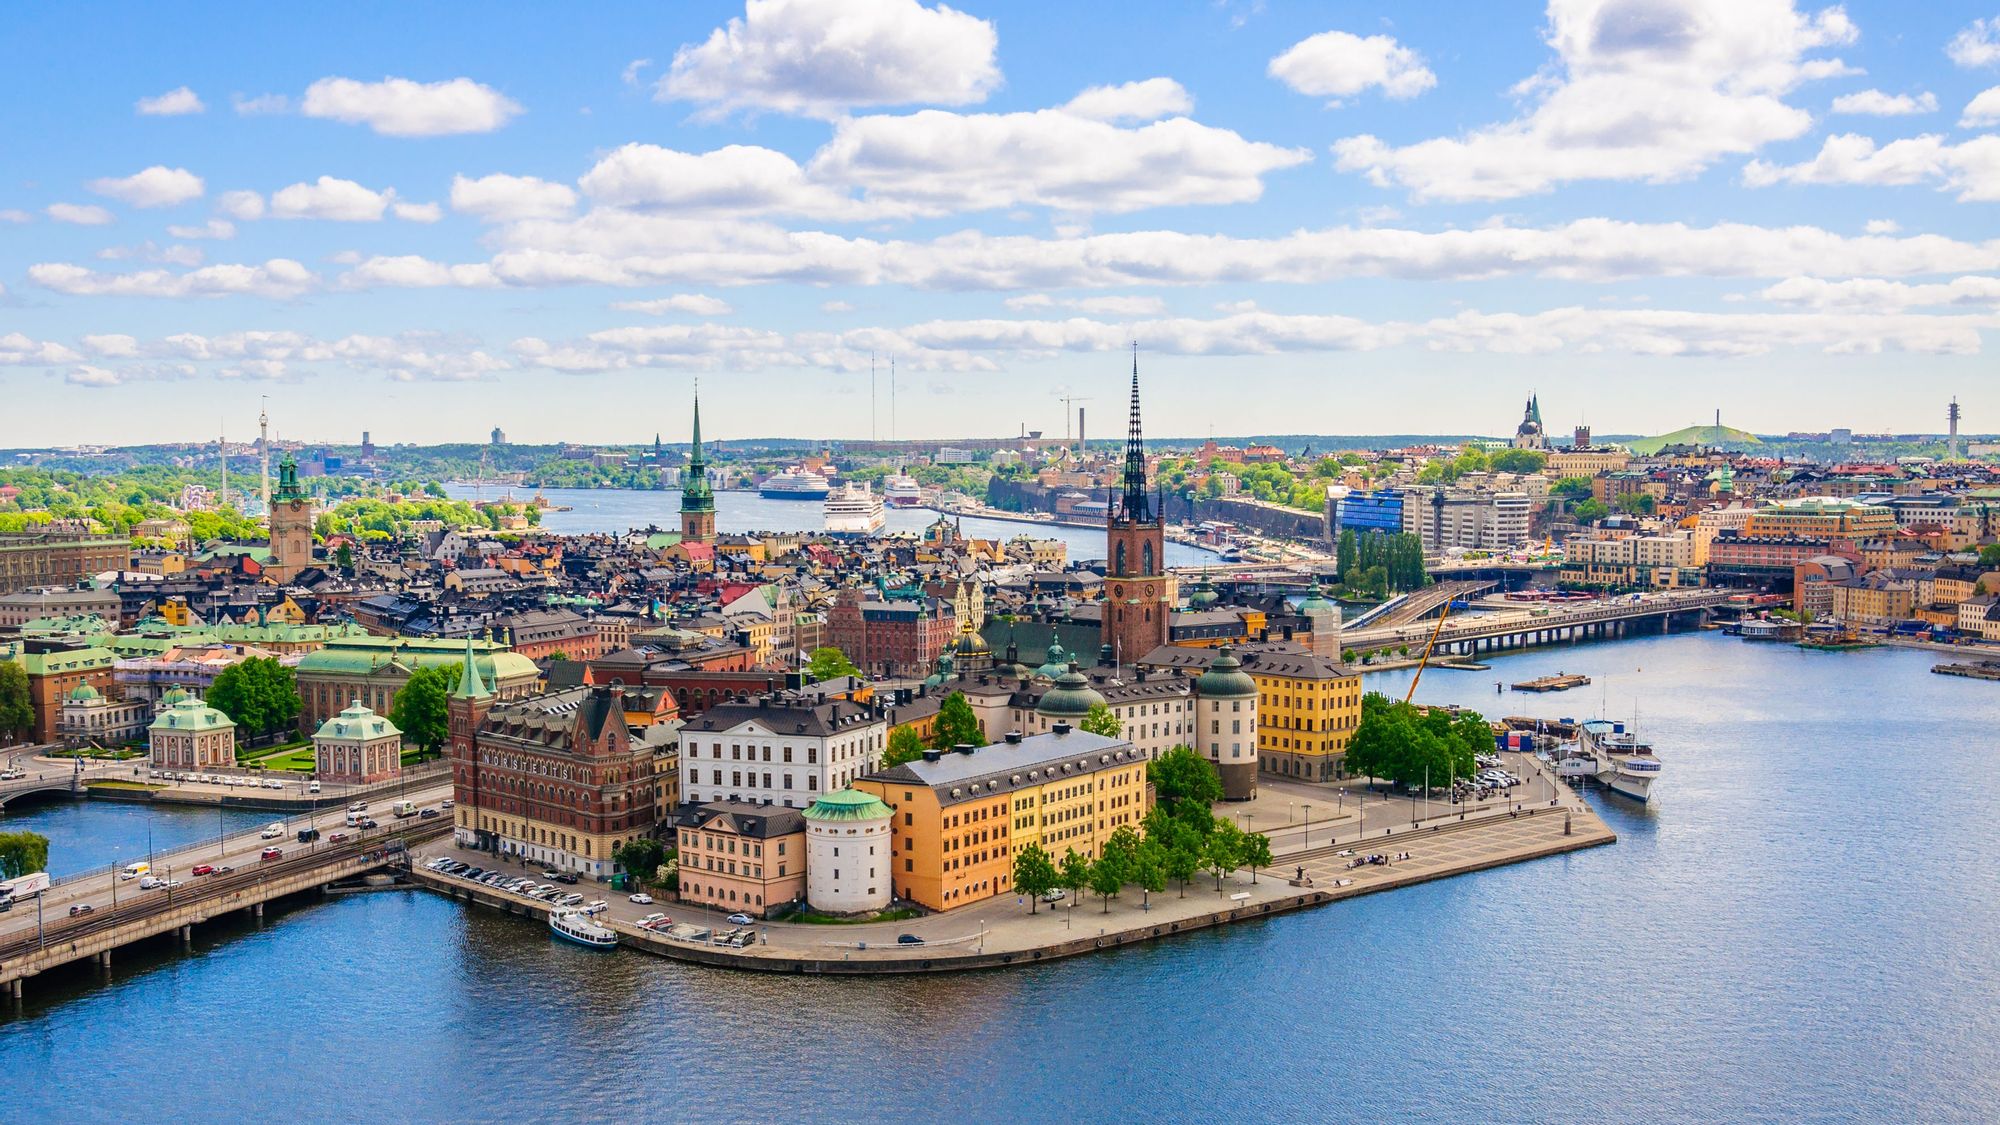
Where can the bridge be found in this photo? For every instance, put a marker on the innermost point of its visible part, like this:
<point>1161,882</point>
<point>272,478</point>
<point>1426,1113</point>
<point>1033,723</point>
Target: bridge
<point>91,914</point>
<point>61,779</point>
<point>1492,632</point>
<point>1420,604</point>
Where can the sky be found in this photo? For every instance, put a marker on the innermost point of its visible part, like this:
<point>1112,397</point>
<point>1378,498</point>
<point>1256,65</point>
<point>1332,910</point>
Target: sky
<point>425,221</point>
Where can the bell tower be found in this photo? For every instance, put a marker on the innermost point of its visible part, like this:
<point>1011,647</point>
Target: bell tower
<point>1138,592</point>
<point>291,519</point>
<point>697,497</point>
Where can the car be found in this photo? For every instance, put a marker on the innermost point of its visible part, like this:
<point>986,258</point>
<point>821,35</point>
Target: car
<point>270,854</point>
<point>1056,895</point>
<point>551,875</point>
<point>225,869</point>
<point>358,806</point>
<point>202,869</point>
<point>566,877</point>
<point>170,884</point>
<point>273,783</point>
<point>742,919</point>
<point>155,775</point>
<point>447,803</point>
<point>338,838</point>
<point>908,939</point>
<point>81,908</point>
<point>370,823</point>
<point>427,814</point>
<point>150,883</point>
<point>312,786</point>
<point>570,899</point>
<point>642,899</point>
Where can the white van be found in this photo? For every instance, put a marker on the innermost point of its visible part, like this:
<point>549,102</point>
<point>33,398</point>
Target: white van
<point>272,831</point>
<point>134,870</point>
<point>312,787</point>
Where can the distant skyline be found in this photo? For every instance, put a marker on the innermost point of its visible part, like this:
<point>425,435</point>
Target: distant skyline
<point>1339,218</point>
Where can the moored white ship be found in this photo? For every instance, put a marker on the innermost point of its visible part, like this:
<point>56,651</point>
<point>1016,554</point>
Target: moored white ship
<point>1624,763</point>
<point>576,926</point>
<point>795,484</point>
<point>854,509</point>
<point>902,491</point>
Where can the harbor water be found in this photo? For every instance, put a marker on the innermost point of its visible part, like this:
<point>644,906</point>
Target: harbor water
<point>1800,928</point>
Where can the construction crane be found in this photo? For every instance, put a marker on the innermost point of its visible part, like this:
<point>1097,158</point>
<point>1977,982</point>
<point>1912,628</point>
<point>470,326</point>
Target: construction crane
<point>1069,411</point>
<point>1444,611</point>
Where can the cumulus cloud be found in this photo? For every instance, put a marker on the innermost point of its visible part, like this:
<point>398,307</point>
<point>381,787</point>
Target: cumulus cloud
<point>820,58</point>
<point>1982,110</point>
<point>1105,306</point>
<point>1875,103</point>
<point>1972,169</point>
<point>1882,226</point>
<point>1149,100</point>
<point>81,214</point>
<point>410,271</point>
<point>112,345</point>
<point>278,278</point>
<point>501,198</point>
<point>158,186</point>
<point>329,198</point>
<point>1650,90</point>
<point>1874,294</point>
<point>699,304</point>
<point>399,107</point>
<point>734,179</point>
<point>17,350</point>
<point>150,251</point>
<point>173,103</point>
<point>214,228</point>
<point>1337,65</point>
<point>244,206</point>
<point>260,105</point>
<point>15,215</point>
<point>417,212</point>
<point>1977,44</point>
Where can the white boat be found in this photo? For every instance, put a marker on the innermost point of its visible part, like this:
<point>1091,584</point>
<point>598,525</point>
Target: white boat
<point>1624,763</point>
<point>1573,762</point>
<point>854,509</point>
<point>575,925</point>
<point>902,491</point>
<point>795,484</point>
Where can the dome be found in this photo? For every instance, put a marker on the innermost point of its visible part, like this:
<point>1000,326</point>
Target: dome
<point>1316,601</point>
<point>1055,665</point>
<point>1203,596</point>
<point>83,693</point>
<point>356,722</point>
<point>172,696</point>
<point>847,805</point>
<point>970,643</point>
<point>1225,678</point>
<point>1072,697</point>
<point>943,671</point>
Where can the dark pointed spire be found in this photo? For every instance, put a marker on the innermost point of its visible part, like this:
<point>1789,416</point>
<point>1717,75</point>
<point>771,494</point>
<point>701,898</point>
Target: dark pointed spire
<point>1138,506</point>
<point>696,495</point>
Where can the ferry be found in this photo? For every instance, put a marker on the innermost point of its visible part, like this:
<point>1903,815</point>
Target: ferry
<point>902,491</point>
<point>576,926</point>
<point>1624,763</point>
<point>854,509</point>
<point>795,484</point>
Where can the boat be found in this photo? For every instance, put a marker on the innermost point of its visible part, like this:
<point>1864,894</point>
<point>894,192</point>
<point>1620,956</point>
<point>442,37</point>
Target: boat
<point>795,484</point>
<point>901,490</point>
<point>854,509</point>
<point>576,926</point>
<point>1625,764</point>
<point>1561,681</point>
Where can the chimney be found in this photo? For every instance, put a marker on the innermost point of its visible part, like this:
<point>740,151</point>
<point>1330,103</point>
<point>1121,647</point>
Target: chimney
<point>933,755</point>
<point>1288,632</point>
<point>1059,728</point>
<point>1013,738</point>
<point>963,748</point>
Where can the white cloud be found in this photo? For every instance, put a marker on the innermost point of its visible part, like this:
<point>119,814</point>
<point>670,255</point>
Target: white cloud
<point>112,346</point>
<point>409,357</point>
<point>835,307</point>
<point>699,304</point>
<point>734,179</point>
<point>278,278</point>
<point>1882,226</point>
<point>1650,90</point>
<point>1149,100</point>
<point>1336,65</point>
<point>1977,44</point>
<point>1982,110</point>
<point>330,198</point>
<point>1972,169</point>
<point>1874,294</point>
<point>214,228</point>
<point>630,75</point>
<point>410,271</point>
<point>81,214</point>
<point>398,107</point>
<point>243,206</point>
<point>821,57</point>
<point>685,346</point>
<point>158,186</point>
<point>417,212</point>
<point>17,350</point>
<point>15,215</point>
<point>1875,103</point>
<point>150,251</point>
<point>261,105</point>
<point>1104,306</point>
<point>173,103</point>
<point>501,198</point>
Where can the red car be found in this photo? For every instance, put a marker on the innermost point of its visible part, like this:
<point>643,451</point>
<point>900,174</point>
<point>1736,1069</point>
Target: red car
<point>337,838</point>
<point>203,869</point>
<point>271,854</point>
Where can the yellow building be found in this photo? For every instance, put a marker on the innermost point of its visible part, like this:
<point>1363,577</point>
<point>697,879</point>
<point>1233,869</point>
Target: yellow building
<point>1587,462</point>
<point>1820,517</point>
<point>1308,708</point>
<point>961,817</point>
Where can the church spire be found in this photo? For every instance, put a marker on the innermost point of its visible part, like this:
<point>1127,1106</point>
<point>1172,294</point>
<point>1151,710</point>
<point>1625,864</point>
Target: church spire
<point>696,495</point>
<point>470,684</point>
<point>1136,505</point>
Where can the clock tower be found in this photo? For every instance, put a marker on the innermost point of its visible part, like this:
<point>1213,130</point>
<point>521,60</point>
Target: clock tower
<point>1138,592</point>
<point>291,522</point>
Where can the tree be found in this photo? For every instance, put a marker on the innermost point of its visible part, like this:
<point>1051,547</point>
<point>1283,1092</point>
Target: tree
<point>17,712</point>
<point>23,852</point>
<point>1636,504</point>
<point>1989,555</point>
<point>642,857</point>
<point>1517,460</point>
<point>259,694</point>
<point>1588,511</point>
<point>1107,875</point>
<point>1149,867</point>
<point>422,710</point>
<point>1181,774</point>
<point>1255,852</point>
<point>1035,874</point>
<point>957,724</point>
<point>1571,488</point>
<point>829,663</point>
<point>343,557</point>
<point>1102,721</point>
<point>1075,872</point>
<point>905,745</point>
<point>1222,852</point>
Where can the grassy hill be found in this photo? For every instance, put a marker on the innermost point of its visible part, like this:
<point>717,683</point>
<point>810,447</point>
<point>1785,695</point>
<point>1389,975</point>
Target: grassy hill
<point>1721,437</point>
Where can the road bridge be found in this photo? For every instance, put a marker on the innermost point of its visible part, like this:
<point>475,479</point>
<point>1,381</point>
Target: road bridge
<point>1493,632</point>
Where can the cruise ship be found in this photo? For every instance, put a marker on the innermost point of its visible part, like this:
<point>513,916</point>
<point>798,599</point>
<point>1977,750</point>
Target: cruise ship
<point>795,484</point>
<point>902,491</point>
<point>854,509</point>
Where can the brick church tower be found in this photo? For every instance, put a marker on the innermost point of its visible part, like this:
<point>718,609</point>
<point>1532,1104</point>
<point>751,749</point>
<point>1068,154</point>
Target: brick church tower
<point>465,711</point>
<point>1138,591</point>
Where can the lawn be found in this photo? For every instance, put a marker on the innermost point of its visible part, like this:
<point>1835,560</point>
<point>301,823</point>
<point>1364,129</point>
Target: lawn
<point>814,918</point>
<point>300,760</point>
<point>136,786</point>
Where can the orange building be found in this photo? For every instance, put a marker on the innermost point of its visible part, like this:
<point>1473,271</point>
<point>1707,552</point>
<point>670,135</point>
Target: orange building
<point>742,857</point>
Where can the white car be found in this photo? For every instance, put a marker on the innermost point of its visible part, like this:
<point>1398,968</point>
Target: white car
<point>272,831</point>
<point>742,920</point>
<point>643,899</point>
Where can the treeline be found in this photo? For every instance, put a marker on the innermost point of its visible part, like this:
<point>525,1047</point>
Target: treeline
<point>1378,564</point>
<point>1400,742</point>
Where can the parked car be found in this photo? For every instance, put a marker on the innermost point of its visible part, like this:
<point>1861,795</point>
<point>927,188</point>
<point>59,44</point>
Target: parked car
<point>270,854</point>
<point>742,919</point>
<point>81,908</point>
<point>565,877</point>
<point>643,899</point>
<point>272,831</point>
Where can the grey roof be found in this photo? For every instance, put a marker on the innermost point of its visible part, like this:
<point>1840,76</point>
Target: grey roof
<point>1006,766</point>
<point>746,819</point>
<point>784,717</point>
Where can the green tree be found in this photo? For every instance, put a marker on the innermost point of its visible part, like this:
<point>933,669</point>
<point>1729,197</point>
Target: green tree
<point>1517,460</point>
<point>23,852</point>
<point>1180,775</point>
<point>259,694</point>
<point>17,711</point>
<point>1222,852</point>
<point>1074,875</point>
<point>957,724</point>
<point>1149,867</point>
<point>829,663</point>
<point>1035,874</point>
<point>1636,504</point>
<point>1989,555</point>
<point>905,745</point>
<point>1102,721</point>
<point>422,710</point>
<point>1255,852</point>
<point>642,857</point>
<point>1571,488</point>
<point>1107,875</point>
<point>1588,511</point>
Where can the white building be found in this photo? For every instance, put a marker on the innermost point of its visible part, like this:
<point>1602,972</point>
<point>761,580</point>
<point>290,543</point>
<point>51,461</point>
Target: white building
<point>848,853</point>
<point>777,751</point>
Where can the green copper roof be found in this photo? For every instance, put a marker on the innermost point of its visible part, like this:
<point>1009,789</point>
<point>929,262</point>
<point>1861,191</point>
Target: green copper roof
<point>847,804</point>
<point>1071,697</point>
<point>82,693</point>
<point>288,481</point>
<point>469,684</point>
<point>357,723</point>
<point>1225,678</point>
<point>696,495</point>
<point>192,715</point>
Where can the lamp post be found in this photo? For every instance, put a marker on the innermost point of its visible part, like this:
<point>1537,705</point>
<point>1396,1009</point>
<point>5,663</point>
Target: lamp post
<point>1309,826</point>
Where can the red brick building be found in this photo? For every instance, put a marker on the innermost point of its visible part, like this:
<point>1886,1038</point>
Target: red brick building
<point>896,637</point>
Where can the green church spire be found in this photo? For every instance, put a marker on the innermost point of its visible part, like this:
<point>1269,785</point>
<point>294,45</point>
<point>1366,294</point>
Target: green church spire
<point>470,685</point>
<point>696,495</point>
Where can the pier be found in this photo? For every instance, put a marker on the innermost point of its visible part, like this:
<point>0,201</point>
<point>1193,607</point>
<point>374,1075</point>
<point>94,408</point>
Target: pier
<point>1561,681</point>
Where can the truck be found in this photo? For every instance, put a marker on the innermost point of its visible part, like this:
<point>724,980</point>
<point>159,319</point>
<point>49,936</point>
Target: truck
<point>405,808</point>
<point>24,886</point>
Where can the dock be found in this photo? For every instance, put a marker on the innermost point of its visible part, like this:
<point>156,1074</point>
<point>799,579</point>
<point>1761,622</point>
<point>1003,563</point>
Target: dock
<point>1561,681</point>
<point>1978,670</point>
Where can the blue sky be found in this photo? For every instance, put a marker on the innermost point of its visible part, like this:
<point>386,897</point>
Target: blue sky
<point>1314,218</point>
